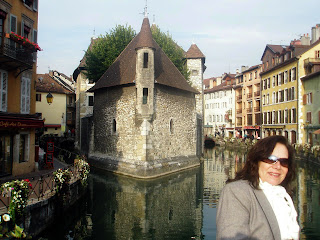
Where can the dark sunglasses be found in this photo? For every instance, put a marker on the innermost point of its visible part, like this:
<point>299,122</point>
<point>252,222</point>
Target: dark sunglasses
<point>272,159</point>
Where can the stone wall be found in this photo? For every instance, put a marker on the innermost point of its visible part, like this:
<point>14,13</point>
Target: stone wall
<point>139,147</point>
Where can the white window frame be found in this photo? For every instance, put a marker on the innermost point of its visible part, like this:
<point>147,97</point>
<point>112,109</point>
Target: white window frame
<point>13,30</point>
<point>35,5</point>
<point>3,90</point>
<point>285,76</point>
<point>309,100</point>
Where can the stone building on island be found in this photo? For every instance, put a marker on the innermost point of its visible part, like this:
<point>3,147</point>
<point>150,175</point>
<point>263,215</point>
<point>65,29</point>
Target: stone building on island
<point>145,120</point>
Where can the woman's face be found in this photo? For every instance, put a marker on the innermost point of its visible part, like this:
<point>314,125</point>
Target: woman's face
<point>274,173</point>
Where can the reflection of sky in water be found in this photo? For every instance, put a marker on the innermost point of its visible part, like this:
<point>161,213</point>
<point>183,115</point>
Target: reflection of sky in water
<point>177,206</point>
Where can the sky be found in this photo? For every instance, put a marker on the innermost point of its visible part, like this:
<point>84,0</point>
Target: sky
<point>230,33</point>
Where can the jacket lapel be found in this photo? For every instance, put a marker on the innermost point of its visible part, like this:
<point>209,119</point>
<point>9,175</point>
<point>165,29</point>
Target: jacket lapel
<point>268,211</point>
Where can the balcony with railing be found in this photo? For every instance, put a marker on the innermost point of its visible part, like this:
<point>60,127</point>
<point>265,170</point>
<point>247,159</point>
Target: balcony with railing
<point>71,104</point>
<point>13,54</point>
<point>239,98</point>
<point>311,61</point>
<point>249,95</point>
<point>257,109</point>
<point>239,111</point>
<point>249,110</point>
<point>257,94</point>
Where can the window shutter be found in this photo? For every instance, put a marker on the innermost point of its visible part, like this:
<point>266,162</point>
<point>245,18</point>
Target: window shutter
<point>4,83</point>
<point>28,83</point>
<point>35,36</point>
<point>304,99</point>
<point>22,28</point>
<point>13,23</point>
<point>35,40</point>
<point>23,95</point>
<point>311,97</point>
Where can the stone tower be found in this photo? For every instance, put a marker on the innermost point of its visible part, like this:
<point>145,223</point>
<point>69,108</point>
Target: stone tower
<point>145,88</point>
<point>195,63</point>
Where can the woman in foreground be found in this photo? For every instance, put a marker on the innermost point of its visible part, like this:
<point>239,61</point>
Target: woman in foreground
<point>256,205</point>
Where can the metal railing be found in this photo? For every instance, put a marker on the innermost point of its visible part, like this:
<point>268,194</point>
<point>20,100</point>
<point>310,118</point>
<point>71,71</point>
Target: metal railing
<point>43,187</point>
<point>11,49</point>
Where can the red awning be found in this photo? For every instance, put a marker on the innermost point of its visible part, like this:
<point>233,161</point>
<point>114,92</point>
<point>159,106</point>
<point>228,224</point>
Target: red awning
<point>17,122</point>
<point>52,125</point>
<point>251,127</point>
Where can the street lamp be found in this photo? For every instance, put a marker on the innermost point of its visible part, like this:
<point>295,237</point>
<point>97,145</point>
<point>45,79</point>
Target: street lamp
<point>49,98</point>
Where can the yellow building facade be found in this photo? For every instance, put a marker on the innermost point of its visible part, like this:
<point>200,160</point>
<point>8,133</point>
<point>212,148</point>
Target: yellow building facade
<point>59,116</point>
<point>18,121</point>
<point>279,96</point>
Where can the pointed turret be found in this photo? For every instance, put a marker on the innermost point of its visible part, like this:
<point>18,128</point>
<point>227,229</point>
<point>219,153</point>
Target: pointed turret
<point>145,35</point>
<point>194,52</point>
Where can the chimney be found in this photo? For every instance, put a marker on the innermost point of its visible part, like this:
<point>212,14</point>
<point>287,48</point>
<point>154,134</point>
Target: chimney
<point>305,40</point>
<point>315,33</point>
<point>243,68</point>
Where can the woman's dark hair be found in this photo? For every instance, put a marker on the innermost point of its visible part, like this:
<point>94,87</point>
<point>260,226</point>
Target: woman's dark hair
<point>262,150</point>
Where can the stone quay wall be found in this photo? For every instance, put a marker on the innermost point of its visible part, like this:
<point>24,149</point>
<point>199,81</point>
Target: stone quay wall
<point>41,215</point>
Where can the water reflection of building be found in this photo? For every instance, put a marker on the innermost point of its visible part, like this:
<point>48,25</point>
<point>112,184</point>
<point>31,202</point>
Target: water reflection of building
<point>307,200</point>
<point>219,165</point>
<point>127,208</point>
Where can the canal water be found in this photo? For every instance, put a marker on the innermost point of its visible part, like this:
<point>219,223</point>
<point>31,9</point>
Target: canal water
<point>177,206</point>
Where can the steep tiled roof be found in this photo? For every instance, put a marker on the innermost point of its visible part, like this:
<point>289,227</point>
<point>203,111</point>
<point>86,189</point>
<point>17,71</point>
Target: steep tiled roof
<point>252,68</point>
<point>123,69</point>
<point>48,84</point>
<point>194,52</point>
<point>276,48</point>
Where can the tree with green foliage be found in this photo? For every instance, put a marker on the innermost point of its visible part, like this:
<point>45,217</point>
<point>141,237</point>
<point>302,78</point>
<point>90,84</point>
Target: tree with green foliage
<point>171,49</point>
<point>106,49</point>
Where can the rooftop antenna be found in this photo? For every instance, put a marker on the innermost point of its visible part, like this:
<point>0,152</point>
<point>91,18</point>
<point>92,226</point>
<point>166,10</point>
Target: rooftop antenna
<point>146,10</point>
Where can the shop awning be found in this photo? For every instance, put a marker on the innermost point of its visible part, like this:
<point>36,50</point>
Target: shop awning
<point>252,127</point>
<point>7,122</point>
<point>52,125</point>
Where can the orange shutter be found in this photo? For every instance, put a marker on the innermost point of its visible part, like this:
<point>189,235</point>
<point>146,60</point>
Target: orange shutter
<point>304,99</point>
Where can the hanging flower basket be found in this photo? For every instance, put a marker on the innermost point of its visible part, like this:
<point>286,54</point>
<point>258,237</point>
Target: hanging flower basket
<point>33,47</point>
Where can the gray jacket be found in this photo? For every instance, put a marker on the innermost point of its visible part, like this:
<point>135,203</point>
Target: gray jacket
<point>245,213</point>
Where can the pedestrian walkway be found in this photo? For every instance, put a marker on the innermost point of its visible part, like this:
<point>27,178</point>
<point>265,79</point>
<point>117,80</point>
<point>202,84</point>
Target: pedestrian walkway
<point>56,165</point>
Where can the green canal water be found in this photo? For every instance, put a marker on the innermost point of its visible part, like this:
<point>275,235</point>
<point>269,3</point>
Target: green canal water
<point>177,206</point>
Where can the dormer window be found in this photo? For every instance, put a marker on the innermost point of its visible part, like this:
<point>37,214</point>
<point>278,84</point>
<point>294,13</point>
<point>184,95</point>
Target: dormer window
<point>145,60</point>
